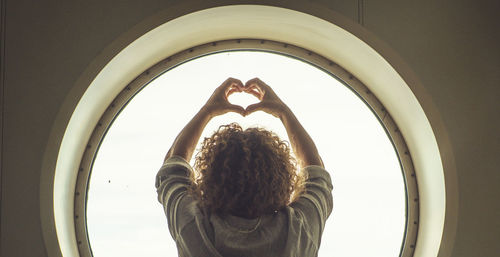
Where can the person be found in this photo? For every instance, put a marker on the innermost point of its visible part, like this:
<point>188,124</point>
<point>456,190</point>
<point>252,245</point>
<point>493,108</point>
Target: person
<point>241,202</point>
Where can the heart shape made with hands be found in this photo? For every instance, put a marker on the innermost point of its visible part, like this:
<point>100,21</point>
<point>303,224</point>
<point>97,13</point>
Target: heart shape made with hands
<point>242,99</point>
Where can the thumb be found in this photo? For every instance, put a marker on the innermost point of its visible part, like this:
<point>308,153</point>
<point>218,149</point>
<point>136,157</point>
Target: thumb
<point>237,109</point>
<point>252,108</point>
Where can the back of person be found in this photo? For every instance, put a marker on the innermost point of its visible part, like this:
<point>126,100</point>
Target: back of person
<point>244,197</point>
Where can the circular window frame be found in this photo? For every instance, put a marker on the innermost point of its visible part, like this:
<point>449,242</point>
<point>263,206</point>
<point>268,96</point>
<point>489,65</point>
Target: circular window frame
<point>263,45</point>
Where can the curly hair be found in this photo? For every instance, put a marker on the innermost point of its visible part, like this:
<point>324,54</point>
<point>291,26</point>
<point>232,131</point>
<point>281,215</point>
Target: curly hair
<point>245,173</point>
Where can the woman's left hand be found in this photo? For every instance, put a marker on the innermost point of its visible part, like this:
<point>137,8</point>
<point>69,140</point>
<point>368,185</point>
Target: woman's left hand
<point>218,103</point>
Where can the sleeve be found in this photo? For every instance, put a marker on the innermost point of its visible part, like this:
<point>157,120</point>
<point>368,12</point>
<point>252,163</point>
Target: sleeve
<point>172,182</point>
<point>316,202</point>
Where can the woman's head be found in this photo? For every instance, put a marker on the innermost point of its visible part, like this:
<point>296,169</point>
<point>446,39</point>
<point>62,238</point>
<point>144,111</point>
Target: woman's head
<point>245,173</point>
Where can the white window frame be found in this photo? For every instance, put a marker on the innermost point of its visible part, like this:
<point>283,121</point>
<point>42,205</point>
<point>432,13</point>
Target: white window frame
<point>272,24</point>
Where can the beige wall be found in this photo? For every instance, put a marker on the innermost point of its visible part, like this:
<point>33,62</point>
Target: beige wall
<point>451,49</point>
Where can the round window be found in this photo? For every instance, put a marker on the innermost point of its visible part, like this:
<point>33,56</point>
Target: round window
<point>361,147</point>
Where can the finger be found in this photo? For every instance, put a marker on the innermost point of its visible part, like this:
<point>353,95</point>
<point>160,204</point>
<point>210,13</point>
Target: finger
<point>249,86</point>
<point>233,81</point>
<point>234,87</point>
<point>237,109</point>
<point>229,82</point>
<point>253,108</point>
<point>255,87</point>
<point>232,90</point>
<point>254,81</point>
<point>255,93</point>
<point>257,83</point>
<point>255,90</point>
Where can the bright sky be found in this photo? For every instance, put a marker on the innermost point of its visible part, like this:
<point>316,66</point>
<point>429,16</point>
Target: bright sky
<point>124,217</point>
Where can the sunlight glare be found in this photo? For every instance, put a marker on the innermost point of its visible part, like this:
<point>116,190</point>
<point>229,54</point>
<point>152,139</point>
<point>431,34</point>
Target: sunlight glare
<point>124,217</point>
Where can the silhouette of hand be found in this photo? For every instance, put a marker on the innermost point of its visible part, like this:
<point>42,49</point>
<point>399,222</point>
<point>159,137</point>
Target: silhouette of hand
<point>269,101</point>
<point>218,103</point>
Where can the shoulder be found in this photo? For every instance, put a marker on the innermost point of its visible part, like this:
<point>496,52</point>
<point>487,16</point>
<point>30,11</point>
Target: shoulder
<point>316,171</point>
<point>176,163</point>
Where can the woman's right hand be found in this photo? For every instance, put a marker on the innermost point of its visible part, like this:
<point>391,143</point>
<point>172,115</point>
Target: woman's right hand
<point>218,103</point>
<point>269,101</point>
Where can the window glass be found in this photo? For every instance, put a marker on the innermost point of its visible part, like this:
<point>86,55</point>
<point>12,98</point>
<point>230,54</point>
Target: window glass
<point>124,217</point>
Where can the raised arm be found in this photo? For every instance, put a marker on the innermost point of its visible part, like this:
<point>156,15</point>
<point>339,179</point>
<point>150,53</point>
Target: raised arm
<point>301,142</point>
<point>185,143</point>
<point>315,202</point>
